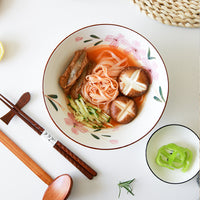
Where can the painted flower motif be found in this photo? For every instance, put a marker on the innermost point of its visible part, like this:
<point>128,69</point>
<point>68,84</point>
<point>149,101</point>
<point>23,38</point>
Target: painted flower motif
<point>113,141</point>
<point>116,40</point>
<point>77,39</point>
<point>76,126</point>
<point>142,56</point>
<point>136,50</point>
<point>152,67</point>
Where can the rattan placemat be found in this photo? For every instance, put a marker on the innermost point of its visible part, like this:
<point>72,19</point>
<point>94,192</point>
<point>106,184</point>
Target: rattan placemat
<point>185,13</point>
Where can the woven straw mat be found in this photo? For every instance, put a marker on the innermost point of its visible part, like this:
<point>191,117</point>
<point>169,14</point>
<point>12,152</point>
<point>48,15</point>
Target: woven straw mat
<point>185,13</point>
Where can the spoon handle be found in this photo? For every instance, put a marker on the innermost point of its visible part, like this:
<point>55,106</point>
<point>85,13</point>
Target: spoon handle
<point>25,158</point>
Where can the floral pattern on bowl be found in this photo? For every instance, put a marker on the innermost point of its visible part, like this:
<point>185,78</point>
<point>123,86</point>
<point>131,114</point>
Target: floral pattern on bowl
<point>131,42</point>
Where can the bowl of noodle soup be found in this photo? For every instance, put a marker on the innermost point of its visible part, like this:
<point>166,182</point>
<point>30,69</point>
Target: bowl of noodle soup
<point>105,86</point>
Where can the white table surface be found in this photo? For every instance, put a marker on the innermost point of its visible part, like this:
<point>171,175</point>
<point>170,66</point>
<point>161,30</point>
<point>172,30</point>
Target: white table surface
<point>30,30</point>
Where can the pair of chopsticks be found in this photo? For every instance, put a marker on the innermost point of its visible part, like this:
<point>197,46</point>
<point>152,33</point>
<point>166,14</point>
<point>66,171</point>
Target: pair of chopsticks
<point>75,160</point>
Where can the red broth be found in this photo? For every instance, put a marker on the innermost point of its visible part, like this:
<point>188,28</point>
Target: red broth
<point>93,53</point>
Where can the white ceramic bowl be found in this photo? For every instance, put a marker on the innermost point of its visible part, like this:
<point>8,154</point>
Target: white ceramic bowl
<point>142,50</point>
<point>181,136</point>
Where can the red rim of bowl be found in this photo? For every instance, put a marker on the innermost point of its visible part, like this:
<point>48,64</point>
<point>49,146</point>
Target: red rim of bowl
<point>107,24</point>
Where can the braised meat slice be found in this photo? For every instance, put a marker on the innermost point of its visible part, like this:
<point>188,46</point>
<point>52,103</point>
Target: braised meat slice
<point>76,88</point>
<point>73,70</point>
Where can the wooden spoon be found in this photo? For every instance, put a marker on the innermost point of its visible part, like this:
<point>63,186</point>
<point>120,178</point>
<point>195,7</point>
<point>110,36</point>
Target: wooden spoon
<point>58,189</point>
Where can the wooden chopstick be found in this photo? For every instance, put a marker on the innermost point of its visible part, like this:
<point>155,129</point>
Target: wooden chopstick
<point>75,160</point>
<point>23,100</point>
<point>22,115</point>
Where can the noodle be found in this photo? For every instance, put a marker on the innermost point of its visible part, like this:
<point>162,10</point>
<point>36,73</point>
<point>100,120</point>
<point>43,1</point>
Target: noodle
<point>101,86</point>
<point>113,63</point>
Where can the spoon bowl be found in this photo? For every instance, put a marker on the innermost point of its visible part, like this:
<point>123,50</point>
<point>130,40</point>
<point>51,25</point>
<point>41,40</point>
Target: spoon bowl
<point>59,189</point>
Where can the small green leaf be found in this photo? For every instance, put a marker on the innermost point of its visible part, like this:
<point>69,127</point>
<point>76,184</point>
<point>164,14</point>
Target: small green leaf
<point>157,99</point>
<point>54,96</point>
<point>149,55</point>
<point>98,42</point>
<point>53,104</point>
<point>87,41</point>
<point>94,36</point>
<point>161,94</point>
<point>97,130</point>
<point>95,136</point>
<point>129,182</point>
<point>149,52</point>
<point>129,190</point>
<point>106,135</point>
